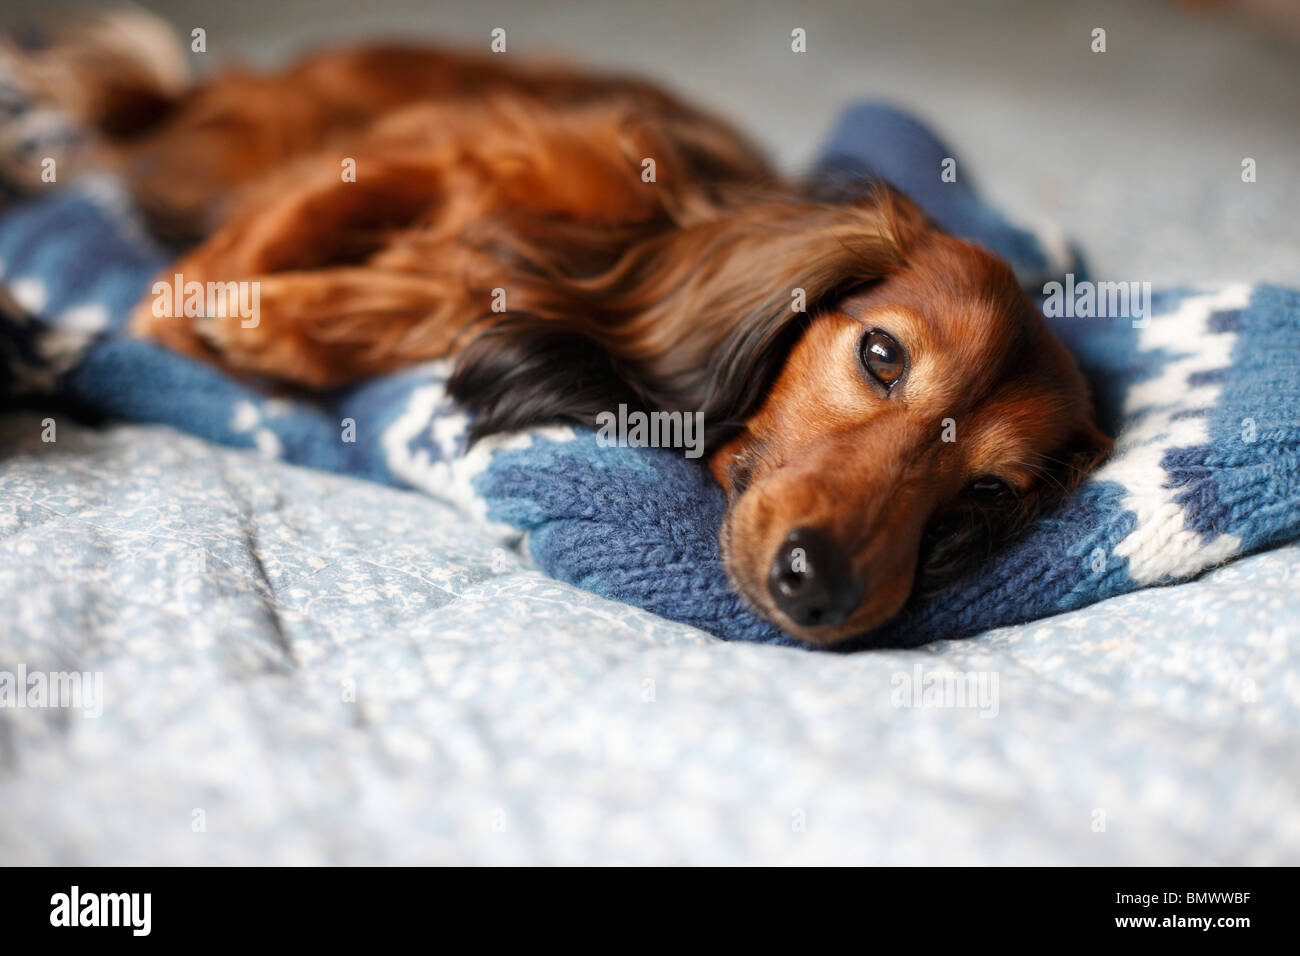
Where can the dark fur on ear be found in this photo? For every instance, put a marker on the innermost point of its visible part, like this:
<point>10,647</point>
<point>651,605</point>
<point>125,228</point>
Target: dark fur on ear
<point>697,318</point>
<point>521,371</point>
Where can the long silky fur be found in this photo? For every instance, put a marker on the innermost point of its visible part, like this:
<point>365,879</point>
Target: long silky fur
<point>695,319</point>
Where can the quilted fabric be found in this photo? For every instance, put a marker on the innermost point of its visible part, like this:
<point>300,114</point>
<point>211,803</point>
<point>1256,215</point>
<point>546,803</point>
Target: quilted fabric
<point>297,667</point>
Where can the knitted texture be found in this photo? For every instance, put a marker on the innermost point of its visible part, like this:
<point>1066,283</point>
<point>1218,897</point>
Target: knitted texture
<point>1203,400</point>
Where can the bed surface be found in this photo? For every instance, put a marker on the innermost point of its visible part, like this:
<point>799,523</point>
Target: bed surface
<point>328,670</point>
<point>331,671</point>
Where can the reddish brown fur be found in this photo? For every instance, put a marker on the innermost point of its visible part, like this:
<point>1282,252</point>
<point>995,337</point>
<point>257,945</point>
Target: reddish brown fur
<point>474,173</point>
<point>873,470</point>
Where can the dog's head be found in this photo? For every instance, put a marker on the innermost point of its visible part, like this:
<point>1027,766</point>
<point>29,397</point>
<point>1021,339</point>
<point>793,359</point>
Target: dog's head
<point>883,403</point>
<point>916,425</point>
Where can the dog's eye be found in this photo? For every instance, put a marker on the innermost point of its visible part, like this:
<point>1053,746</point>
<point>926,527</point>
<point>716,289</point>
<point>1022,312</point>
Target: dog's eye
<point>989,489</point>
<point>882,357</point>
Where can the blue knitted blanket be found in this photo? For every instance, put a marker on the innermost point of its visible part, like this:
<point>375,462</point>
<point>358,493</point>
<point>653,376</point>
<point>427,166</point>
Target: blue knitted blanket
<point>1201,386</point>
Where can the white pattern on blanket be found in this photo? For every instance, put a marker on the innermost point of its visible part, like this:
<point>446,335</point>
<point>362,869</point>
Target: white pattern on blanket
<point>304,668</point>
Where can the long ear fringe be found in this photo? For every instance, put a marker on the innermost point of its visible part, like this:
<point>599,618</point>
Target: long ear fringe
<point>690,319</point>
<point>520,372</point>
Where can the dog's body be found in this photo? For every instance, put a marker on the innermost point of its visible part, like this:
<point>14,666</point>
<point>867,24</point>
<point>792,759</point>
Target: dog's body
<point>642,253</point>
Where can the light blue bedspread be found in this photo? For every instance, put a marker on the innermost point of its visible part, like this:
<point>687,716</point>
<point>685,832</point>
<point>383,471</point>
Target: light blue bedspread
<point>298,667</point>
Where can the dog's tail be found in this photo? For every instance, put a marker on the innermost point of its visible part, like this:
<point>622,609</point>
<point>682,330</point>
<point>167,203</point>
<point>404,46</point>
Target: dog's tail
<point>117,72</point>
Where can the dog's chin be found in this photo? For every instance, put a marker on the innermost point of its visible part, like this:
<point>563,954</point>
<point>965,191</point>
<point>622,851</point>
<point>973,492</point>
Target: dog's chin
<point>859,624</point>
<point>816,636</point>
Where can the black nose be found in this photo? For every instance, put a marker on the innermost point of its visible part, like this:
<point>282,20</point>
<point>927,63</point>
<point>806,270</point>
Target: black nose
<point>810,580</point>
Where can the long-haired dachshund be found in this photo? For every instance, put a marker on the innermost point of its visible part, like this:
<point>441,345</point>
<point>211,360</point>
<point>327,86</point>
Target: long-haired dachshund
<point>872,446</point>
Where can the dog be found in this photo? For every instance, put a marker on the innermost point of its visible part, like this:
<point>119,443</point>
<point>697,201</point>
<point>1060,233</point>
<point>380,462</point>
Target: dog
<point>577,241</point>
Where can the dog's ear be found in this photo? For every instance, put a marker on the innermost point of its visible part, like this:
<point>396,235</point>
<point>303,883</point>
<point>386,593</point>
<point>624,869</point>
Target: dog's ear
<point>523,370</point>
<point>695,319</point>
